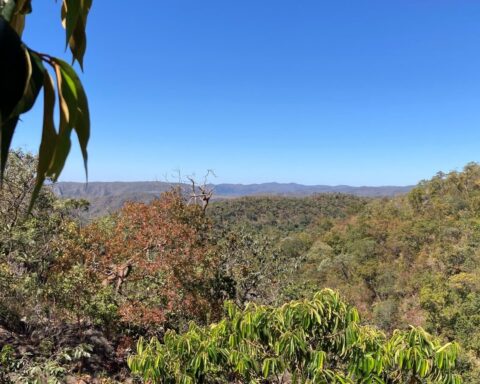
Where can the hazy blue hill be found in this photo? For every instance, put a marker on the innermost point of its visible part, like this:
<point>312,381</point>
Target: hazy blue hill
<point>292,189</point>
<point>117,188</point>
<point>110,196</point>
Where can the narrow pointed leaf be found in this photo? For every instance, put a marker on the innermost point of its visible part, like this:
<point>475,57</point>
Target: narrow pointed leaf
<point>71,11</point>
<point>74,19</point>
<point>35,78</point>
<point>49,137</point>
<point>81,123</point>
<point>63,146</point>
<point>78,43</point>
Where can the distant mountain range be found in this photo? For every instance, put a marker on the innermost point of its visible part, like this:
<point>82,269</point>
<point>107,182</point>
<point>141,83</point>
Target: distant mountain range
<point>107,197</point>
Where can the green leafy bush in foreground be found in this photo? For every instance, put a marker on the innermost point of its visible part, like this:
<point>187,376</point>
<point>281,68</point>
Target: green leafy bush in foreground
<point>310,341</point>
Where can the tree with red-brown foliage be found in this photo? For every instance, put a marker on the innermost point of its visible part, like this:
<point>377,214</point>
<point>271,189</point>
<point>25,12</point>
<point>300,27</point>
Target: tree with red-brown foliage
<point>158,259</point>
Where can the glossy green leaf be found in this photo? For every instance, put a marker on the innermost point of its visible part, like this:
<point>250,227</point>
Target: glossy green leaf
<point>246,355</point>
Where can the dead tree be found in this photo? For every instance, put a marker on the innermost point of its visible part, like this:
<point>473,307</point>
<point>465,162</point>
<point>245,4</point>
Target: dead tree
<point>201,194</point>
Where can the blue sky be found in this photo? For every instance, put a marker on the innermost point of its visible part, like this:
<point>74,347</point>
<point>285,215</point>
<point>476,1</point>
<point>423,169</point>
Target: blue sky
<point>353,92</point>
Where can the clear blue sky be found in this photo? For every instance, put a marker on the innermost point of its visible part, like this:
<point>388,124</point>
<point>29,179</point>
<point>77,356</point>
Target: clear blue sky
<point>353,92</point>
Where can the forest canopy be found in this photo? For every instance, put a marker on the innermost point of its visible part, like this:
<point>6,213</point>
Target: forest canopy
<point>239,283</point>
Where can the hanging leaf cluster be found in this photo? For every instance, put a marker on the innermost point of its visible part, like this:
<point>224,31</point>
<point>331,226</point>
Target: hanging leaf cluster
<point>25,72</point>
<point>311,341</point>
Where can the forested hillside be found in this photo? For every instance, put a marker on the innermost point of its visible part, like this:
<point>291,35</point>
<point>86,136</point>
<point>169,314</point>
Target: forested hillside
<point>413,259</point>
<point>283,215</point>
<point>239,293</point>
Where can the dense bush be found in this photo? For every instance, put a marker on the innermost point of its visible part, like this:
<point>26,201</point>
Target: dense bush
<point>310,341</point>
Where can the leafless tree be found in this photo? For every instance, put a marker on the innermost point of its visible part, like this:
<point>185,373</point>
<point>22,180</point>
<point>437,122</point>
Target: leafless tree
<point>201,193</point>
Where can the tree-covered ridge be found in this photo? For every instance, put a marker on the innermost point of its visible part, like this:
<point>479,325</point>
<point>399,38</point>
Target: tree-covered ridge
<point>413,259</point>
<point>282,215</point>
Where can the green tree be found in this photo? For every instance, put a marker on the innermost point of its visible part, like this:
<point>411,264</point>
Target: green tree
<point>29,245</point>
